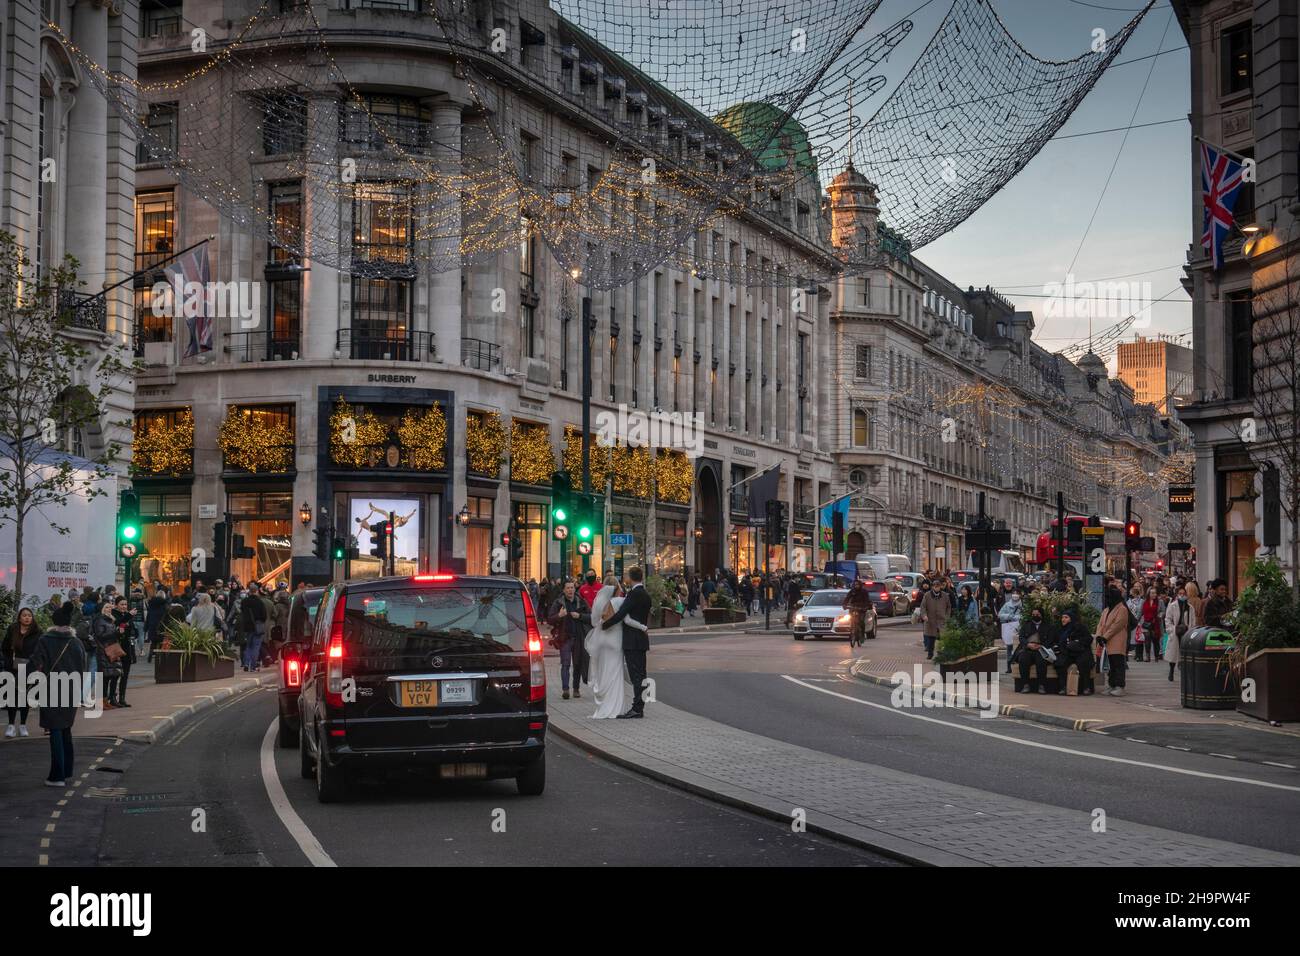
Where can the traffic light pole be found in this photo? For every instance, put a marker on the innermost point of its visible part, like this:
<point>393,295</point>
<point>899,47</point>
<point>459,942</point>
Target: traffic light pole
<point>1060,536</point>
<point>1128,555</point>
<point>586,413</point>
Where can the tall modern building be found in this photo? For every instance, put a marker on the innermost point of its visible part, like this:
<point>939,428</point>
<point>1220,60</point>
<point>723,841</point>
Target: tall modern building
<point>1158,370</point>
<point>1245,99</point>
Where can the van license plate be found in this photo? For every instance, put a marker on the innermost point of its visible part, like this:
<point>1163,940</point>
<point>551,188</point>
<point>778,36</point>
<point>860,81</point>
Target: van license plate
<point>464,771</point>
<point>456,691</point>
<point>419,693</point>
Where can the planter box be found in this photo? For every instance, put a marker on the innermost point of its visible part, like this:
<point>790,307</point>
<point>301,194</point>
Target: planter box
<point>668,617</point>
<point>739,617</point>
<point>717,615</point>
<point>985,662</point>
<point>1276,673</point>
<point>167,668</point>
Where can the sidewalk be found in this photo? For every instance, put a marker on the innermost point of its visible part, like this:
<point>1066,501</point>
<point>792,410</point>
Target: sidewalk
<point>156,709</point>
<point>1151,697</point>
<point>911,818</point>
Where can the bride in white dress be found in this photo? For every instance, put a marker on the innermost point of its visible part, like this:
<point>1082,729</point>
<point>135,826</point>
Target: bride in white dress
<point>605,647</point>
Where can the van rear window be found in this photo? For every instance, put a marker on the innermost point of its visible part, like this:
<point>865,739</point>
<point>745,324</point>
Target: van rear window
<point>469,615</point>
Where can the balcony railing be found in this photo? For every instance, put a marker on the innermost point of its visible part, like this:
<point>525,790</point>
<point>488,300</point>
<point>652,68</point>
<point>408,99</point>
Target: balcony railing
<point>262,346</point>
<point>804,514</point>
<point>740,502</point>
<point>485,356</point>
<point>406,133</point>
<point>147,268</point>
<point>391,346</point>
<point>84,311</point>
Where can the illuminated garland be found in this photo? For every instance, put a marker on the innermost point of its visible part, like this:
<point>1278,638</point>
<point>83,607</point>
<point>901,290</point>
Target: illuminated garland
<point>251,440</point>
<point>674,476</point>
<point>531,459</point>
<point>423,436</point>
<point>364,429</point>
<point>159,448</point>
<point>634,472</point>
<point>485,443</point>
<point>600,464</point>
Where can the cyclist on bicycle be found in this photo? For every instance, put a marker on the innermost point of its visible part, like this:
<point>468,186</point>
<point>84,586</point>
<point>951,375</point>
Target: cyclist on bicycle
<point>857,602</point>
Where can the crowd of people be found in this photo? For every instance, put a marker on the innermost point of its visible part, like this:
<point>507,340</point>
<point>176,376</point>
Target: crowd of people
<point>1141,622</point>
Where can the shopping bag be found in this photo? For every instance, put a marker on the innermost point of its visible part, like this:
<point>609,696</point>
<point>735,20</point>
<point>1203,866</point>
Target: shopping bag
<point>1072,681</point>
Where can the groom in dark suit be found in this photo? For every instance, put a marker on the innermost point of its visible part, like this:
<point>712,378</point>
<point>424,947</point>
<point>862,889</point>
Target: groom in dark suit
<point>634,615</point>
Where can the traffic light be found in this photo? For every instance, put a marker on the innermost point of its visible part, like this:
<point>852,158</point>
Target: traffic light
<point>322,546</point>
<point>338,548</point>
<point>128,518</point>
<point>1133,536</point>
<point>837,531</point>
<point>380,533</point>
<point>238,549</point>
<point>776,522</point>
<point>561,505</point>
<point>1160,564</point>
<point>588,518</point>
<point>514,541</point>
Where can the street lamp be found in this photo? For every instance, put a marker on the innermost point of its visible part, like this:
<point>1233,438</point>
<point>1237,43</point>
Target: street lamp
<point>304,513</point>
<point>699,533</point>
<point>463,516</point>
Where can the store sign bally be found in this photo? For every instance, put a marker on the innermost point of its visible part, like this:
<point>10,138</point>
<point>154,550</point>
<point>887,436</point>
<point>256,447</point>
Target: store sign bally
<point>1182,499</point>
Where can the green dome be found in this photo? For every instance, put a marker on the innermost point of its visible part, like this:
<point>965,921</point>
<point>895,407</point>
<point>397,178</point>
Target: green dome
<point>760,129</point>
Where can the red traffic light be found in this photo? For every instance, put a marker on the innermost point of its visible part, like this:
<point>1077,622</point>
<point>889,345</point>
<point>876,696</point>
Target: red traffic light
<point>1159,565</point>
<point>1132,529</point>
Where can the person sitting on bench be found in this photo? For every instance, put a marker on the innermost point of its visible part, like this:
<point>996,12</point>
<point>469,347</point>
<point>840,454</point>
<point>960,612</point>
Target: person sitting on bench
<point>1035,635</point>
<point>1074,646</point>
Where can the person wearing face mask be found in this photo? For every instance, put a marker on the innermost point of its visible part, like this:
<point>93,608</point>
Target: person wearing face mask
<point>1074,646</point>
<point>1034,636</point>
<point>1009,619</point>
<point>1180,618</point>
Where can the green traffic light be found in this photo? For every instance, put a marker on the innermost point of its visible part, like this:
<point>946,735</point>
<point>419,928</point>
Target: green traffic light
<point>129,532</point>
<point>560,514</point>
<point>584,532</point>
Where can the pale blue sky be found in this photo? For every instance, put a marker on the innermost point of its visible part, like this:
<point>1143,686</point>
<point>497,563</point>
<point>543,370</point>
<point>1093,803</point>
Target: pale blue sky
<point>1029,233</point>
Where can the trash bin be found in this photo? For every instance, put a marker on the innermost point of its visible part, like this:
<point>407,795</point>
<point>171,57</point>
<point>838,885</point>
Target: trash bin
<point>1207,683</point>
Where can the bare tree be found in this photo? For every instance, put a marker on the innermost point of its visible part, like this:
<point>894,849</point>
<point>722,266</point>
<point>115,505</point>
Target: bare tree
<point>1274,436</point>
<point>54,378</point>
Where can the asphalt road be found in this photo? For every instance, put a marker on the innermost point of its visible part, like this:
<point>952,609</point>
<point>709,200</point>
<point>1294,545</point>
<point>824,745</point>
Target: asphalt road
<point>591,813</point>
<point>852,719</point>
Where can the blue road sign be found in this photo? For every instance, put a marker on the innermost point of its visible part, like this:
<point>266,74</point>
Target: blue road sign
<point>616,540</point>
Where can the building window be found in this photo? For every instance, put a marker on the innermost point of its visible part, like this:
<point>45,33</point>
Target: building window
<point>1241,343</point>
<point>286,224</point>
<point>1235,58</point>
<point>861,428</point>
<point>284,123</point>
<point>478,535</point>
<point>161,20</point>
<point>801,381</point>
<point>527,156</point>
<point>381,315</point>
<point>381,224</point>
<point>862,363</point>
<point>158,141</point>
<point>528,299</point>
<point>386,123</point>
<point>155,237</point>
<point>264,519</point>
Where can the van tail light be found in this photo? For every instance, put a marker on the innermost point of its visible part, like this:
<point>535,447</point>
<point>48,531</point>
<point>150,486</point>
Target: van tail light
<point>292,672</point>
<point>334,658</point>
<point>536,668</point>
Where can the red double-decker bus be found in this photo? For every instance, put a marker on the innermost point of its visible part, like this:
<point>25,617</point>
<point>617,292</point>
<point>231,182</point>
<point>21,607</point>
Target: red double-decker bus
<point>1046,553</point>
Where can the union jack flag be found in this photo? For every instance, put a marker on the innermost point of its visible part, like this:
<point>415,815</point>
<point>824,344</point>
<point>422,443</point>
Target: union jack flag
<point>189,276</point>
<point>1220,182</point>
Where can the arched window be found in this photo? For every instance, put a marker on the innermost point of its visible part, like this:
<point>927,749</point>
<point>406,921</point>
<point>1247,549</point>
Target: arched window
<point>860,428</point>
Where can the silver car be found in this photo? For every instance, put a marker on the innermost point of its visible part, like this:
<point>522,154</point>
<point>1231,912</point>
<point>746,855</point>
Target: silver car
<point>823,613</point>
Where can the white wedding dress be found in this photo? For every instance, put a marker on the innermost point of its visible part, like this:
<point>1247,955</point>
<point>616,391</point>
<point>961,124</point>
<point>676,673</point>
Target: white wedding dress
<point>605,647</point>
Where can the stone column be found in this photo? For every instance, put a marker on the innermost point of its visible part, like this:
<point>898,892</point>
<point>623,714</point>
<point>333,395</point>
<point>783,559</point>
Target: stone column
<point>87,165</point>
<point>324,229</point>
<point>444,283</point>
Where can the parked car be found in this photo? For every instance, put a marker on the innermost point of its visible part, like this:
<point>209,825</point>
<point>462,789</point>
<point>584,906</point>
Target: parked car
<point>888,597</point>
<point>293,657</point>
<point>822,613</point>
<point>439,673</point>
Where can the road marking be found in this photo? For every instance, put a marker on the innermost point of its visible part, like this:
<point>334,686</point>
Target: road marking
<point>1224,756</point>
<point>1185,750</point>
<point>301,834</point>
<point>44,860</point>
<point>45,843</point>
<point>1288,766</point>
<point>1043,746</point>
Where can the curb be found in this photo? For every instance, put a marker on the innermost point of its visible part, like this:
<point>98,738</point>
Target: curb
<point>1004,710</point>
<point>824,825</point>
<point>167,725</point>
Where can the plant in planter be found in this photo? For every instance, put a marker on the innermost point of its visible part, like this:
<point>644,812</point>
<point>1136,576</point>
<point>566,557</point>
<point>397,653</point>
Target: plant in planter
<point>1053,603</point>
<point>960,640</point>
<point>191,653</point>
<point>663,602</point>
<point>721,609</point>
<point>1266,622</point>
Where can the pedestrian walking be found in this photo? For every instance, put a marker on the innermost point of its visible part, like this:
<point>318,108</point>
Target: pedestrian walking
<point>1180,618</point>
<point>155,612</point>
<point>936,608</point>
<point>570,620</point>
<point>58,651</point>
<point>124,623</point>
<point>1217,605</point>
<point>252,626</point>
<point>1152,620</point>
<point>15,654</point>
